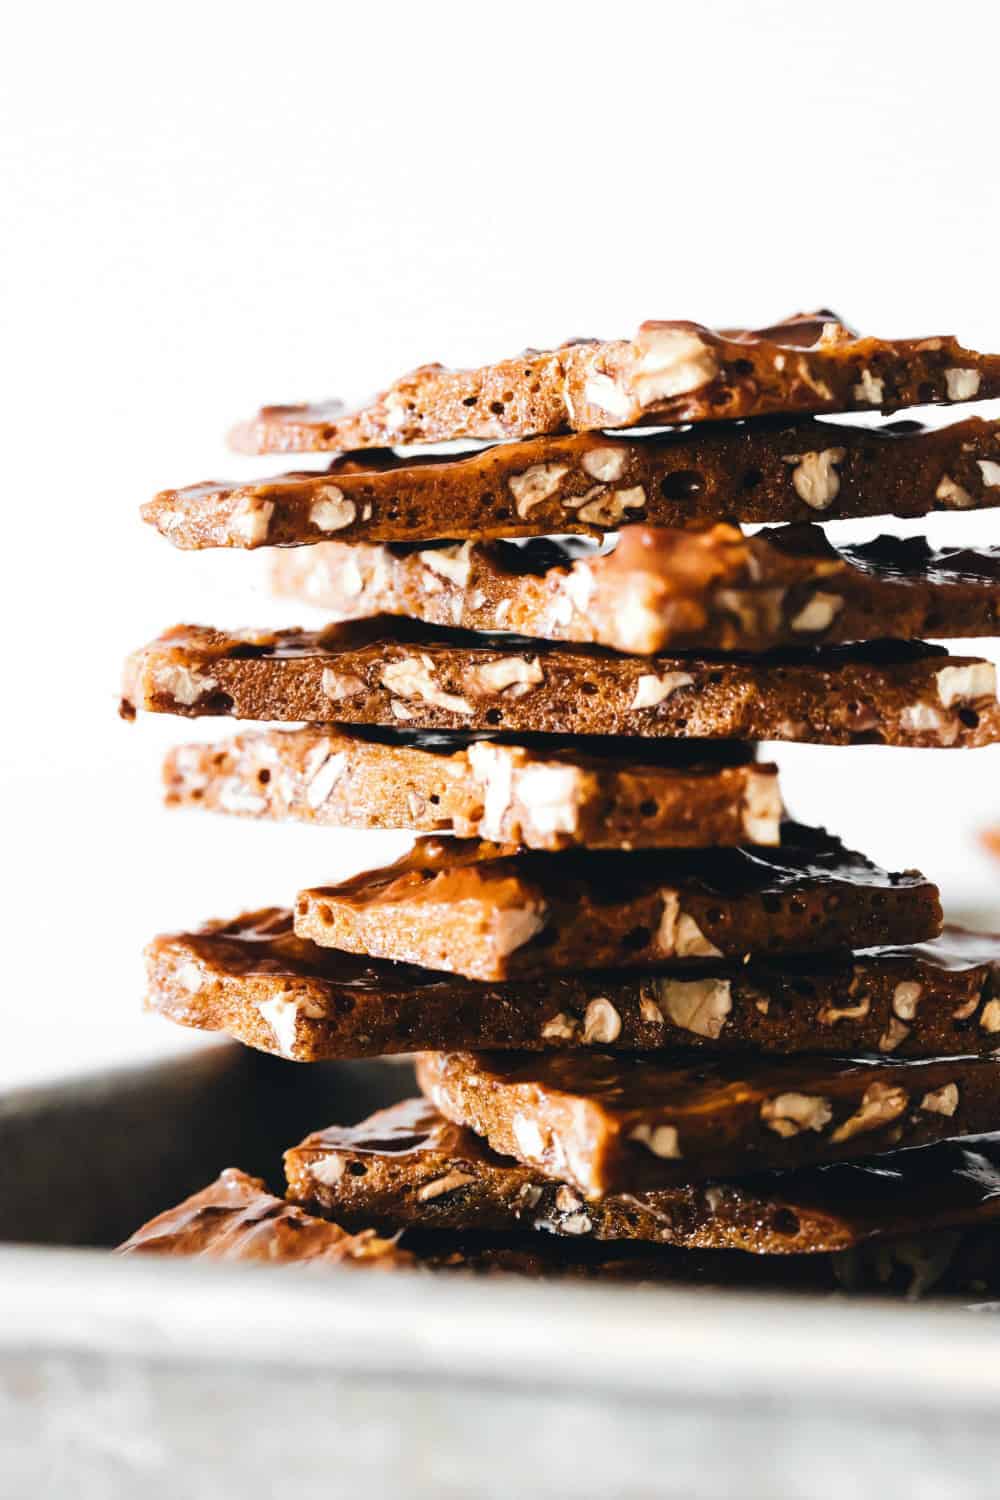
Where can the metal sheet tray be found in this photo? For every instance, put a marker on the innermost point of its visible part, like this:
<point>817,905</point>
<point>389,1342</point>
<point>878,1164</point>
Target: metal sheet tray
<point>127,1378</point>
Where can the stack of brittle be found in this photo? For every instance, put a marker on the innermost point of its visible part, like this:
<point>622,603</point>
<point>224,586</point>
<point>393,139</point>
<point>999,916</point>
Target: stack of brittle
<point>665,1032</point>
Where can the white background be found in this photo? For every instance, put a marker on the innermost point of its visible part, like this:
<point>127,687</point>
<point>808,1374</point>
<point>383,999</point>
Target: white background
<point>206,207</point>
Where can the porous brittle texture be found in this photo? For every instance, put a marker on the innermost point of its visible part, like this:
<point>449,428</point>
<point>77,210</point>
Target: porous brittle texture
<point>236,1218</point>
<point>669,372</point>
<point>392,672</point>
<point>609,1123</point>
<point>662,588</point>
<point>487,911</point>
<point>253,978</point>
<point>544,794</point>
<point>766,471</point>
<point>407,1165</point>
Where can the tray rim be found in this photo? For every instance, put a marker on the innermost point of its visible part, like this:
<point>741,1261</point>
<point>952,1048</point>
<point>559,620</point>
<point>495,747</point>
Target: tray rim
<point>643,1342</point>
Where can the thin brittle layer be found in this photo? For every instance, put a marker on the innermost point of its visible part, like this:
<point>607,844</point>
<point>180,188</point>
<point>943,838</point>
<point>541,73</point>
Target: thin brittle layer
<point>487,911</point>
<point>236,1218</point>
<point>669,372</point>
<point>662,589</point>
<point>253,978</point>
<point>408,1166</point>
<point>609,1123</point>
<point>608,794</point>
<point>762,472</point>
<point>391,672</point>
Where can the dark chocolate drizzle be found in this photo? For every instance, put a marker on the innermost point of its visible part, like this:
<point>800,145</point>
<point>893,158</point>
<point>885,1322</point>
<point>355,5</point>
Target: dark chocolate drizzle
<point>628,750</point>
<point>808,857</point>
